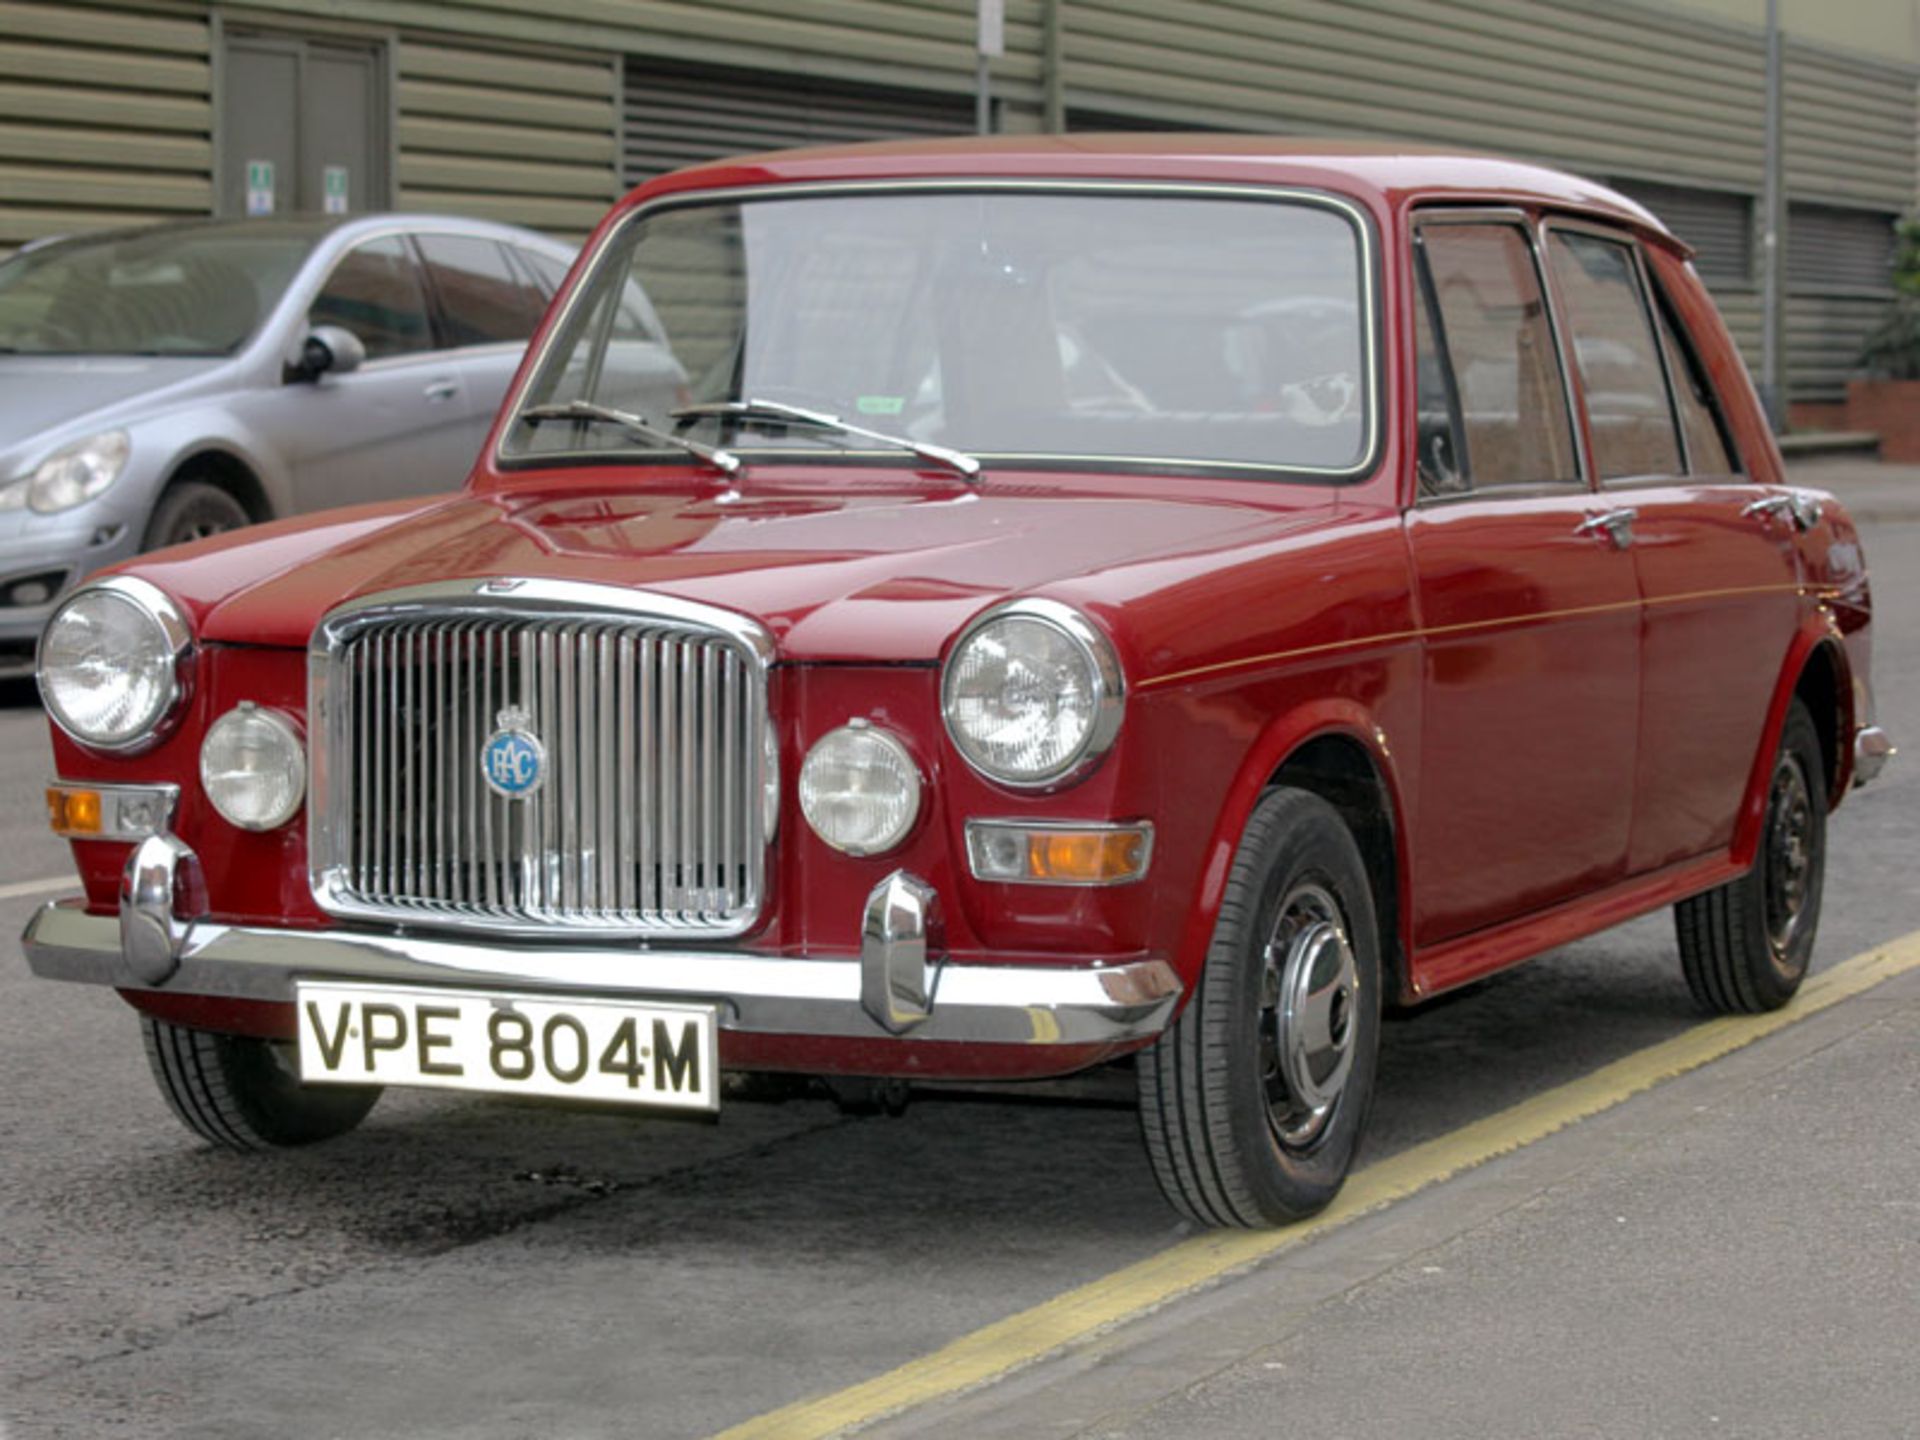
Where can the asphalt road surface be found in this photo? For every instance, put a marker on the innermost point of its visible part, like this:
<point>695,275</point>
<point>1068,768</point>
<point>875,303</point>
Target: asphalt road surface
<point>1734,1252</point>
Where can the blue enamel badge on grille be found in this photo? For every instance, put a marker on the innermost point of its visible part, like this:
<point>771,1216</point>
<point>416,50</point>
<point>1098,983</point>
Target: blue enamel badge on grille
<point>513,760</point>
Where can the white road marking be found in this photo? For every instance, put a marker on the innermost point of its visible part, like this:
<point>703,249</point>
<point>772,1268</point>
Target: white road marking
<point>39,887</point>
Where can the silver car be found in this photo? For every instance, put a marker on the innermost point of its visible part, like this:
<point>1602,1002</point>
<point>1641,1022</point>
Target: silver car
<point>163,384</point>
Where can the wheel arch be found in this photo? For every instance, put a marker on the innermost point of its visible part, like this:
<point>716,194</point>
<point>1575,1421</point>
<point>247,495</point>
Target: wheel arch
<point>230,472</point>
<point>1818,673</point>
<point>1336,750</point>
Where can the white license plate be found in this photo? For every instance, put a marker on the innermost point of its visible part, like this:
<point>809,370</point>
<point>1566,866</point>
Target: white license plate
<point>575,1049</point>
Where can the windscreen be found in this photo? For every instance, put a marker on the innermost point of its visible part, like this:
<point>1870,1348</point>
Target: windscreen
<point>187,291</point>
<point>1158,327</point>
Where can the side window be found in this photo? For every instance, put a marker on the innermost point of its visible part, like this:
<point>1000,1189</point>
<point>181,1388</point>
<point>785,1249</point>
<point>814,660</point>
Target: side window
<point>546,272</point>
<point>1618,357</point>
<point>1492,405</point>
<point>482,301</point>
<point>1709,449</point>
<point>375,292</point>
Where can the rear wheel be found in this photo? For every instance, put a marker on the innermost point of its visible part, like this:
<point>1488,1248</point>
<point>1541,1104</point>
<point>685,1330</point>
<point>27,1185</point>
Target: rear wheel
<point>193,510</point>
<point>1252,1103</point>
<point>241,1093</point>
<point>1744,947</point>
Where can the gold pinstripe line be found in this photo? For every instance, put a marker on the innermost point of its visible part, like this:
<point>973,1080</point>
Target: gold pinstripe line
<point>1498,622</point>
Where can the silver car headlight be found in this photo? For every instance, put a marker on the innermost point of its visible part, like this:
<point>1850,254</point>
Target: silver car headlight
<point>1033,694</point>
<point>75,473</point>
<point>116,664</point>
<point>254,767</point>
<point>860,789</point>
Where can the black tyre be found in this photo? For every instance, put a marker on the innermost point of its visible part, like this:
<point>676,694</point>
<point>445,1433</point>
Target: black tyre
<point>1252,1103</point>
<point>1744,947</point>
<point>244,1094</point>
<point>193,510</point>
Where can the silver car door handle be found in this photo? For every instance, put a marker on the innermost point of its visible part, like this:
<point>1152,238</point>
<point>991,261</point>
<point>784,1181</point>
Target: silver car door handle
<point>1804,509</point>
<point>1616,524</point>
<point>442,390</point>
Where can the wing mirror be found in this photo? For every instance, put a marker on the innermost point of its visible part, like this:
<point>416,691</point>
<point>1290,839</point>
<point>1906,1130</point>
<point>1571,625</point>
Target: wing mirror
<point>327,350</point>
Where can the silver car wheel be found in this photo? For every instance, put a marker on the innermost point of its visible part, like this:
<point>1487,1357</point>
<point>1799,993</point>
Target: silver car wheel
<point>1308,1001</point>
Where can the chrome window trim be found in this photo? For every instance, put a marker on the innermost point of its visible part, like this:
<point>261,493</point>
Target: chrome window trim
<point>1614,235</point>
<point>514,598</point>
<point>1355,215</point>
<point>1452,213</point>
<point>1110,681</point>
<point>167,613</point>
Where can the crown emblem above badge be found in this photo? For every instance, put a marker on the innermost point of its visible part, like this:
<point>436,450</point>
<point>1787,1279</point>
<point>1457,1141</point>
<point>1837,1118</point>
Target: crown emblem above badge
<point>513,761</point>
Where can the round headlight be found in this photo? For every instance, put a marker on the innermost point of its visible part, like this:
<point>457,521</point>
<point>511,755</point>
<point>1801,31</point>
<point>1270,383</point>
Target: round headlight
<point>859,789</point>
<point>253,767</point>
<point>1032,694</point>
<point>114,664</point>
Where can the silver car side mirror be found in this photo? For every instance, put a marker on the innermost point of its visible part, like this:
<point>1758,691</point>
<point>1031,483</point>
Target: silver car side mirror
<point>328,350</point>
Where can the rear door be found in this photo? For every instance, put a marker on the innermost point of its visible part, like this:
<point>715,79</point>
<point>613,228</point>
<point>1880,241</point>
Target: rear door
<point>1529,608</point>
<point>1714,553</point>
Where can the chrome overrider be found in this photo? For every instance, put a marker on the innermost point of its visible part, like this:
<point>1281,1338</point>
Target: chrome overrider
<point>899,984</point>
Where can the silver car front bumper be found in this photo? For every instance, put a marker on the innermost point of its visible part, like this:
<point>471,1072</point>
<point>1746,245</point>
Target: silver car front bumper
<point>1872,748</point>
<point>898,985</point>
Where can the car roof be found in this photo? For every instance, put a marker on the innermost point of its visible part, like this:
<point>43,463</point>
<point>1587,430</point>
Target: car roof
<point>1391,172</point>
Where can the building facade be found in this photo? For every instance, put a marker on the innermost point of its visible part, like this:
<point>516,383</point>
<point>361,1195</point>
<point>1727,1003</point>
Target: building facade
<point>121,111</point>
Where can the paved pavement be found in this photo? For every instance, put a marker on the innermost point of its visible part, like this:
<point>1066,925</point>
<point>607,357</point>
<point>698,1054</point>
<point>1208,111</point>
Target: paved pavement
<point>1740,1243</point>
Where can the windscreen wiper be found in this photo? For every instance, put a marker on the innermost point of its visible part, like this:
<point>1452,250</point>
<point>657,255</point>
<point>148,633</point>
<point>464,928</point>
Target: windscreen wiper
<point>778,410</point>
<point>721,460</point>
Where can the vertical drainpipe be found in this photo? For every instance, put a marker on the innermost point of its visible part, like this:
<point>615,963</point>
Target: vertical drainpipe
<point>1053,68</point>
<point>1772,250</point>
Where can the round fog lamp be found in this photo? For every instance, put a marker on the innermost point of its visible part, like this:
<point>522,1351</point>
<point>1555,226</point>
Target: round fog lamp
<point>860,790</point>
<point>253,767</point>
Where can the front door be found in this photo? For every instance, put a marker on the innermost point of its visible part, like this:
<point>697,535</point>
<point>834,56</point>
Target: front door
<point>401,424</point>
<point>302,127</point>
<point>1528,604</point>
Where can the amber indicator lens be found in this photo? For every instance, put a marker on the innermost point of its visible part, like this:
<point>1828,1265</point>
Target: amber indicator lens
<point>73,812</point>
<point>1058,854</point>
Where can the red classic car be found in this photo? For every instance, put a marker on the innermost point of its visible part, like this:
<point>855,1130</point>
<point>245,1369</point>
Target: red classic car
<point>1152,597</point>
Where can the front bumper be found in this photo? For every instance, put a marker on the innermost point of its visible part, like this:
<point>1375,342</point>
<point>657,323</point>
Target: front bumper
<point>898,986</point>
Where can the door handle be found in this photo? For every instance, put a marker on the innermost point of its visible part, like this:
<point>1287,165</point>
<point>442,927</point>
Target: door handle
<point>442,389</point>
<point>1616,525</point>
<point>1804,510</point>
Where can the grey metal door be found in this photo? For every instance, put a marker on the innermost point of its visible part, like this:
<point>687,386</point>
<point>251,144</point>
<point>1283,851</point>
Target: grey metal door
<point>302,126</point>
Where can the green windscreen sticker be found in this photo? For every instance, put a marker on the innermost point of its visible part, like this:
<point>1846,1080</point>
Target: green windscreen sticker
<point>880,404</point>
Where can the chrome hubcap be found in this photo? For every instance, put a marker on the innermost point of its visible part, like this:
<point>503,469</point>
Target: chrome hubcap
<point>1789,855</point>
<point>1309,1015</point>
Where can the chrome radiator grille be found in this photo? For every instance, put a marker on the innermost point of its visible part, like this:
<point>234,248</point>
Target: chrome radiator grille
<point>649,818</point>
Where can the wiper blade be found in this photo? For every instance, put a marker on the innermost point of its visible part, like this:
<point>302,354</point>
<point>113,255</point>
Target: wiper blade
<point>751,409</point>
<point>721,460</point>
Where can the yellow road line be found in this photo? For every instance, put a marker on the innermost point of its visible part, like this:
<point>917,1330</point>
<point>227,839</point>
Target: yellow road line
<point>1008,1344</point>
<point>40,887</point>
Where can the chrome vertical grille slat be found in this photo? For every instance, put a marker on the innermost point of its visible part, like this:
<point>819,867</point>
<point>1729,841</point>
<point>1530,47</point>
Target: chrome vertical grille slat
<point>648,818</point>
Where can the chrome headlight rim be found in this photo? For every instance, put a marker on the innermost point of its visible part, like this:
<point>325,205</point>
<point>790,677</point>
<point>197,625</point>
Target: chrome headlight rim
<point>1110,692</point>
<point>165,612</point>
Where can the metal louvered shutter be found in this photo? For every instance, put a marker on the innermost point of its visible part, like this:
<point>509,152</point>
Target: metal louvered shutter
<point>1717,224</point>
<point>682,117</point>
<point>1830,248</point>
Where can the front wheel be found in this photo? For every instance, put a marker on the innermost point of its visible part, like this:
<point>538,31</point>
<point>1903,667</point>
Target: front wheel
<point>1744,947</point>
<point>1252,1103</point>
<point>192,510</point>
<point>241,1093</point>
